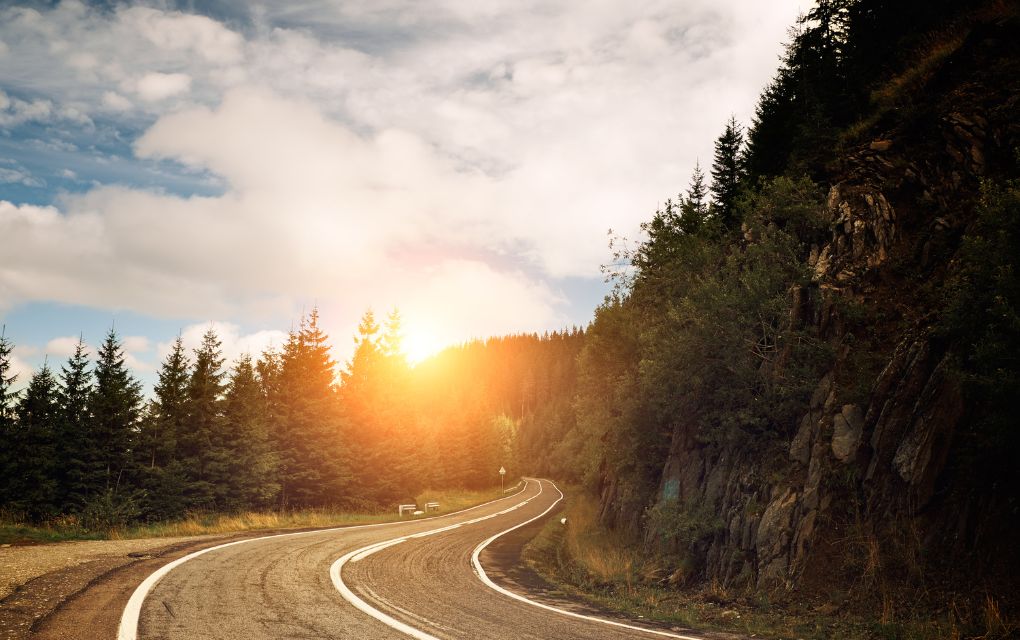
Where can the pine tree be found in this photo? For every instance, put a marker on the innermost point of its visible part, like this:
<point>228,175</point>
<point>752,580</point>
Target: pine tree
<point>245,426</point>
<point>7,420</point>
<point>361,393</point>
<point>727,171</point>
<point>35,448</point>
<point>268,371</point>
<point>397,437</point>
<point>694,206</point>
<point>162,474</point>
<point>76,442</point>
<point>311,434</point>
<point>159,444</point>
<point>115,406</point>
<point>391,343</point>
<point>202,449</point>
<point>366,361</point>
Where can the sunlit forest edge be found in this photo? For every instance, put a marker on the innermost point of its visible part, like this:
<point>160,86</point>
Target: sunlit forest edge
<point>290,433</point>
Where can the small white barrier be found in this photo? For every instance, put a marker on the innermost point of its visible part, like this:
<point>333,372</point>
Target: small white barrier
<point>407,508</point>
<point>431,506</point>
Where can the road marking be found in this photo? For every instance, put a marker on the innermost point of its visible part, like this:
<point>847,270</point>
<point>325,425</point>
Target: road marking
<point>370,551</point>
<point>516,596</point>
<point>335,572</point>
<point>128,627</point>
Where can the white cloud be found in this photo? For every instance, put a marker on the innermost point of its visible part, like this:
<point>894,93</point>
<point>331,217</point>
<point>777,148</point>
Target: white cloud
<point>22,370</point>
<point>159,86</point>
<point>15,111</point>
<point>115,101</point>
<point>233,343</point>
<point>183,34</point>
<point>62,347</point>
<point>136,344</point>
<point>19,176</point>
<point>454,158</point>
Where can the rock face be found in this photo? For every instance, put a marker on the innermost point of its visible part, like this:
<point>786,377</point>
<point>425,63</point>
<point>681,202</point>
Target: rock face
<point>878,454</point>
<point>847,426</point>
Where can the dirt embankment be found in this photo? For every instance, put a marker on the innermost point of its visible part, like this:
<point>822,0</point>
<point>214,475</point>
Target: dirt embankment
<point>38,582</point>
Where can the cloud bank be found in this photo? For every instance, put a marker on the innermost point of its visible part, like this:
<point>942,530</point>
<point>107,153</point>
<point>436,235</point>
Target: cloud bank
<point>458,160</point>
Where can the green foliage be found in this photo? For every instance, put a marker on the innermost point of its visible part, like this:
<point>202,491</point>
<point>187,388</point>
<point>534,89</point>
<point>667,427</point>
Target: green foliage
<point>982,316</point>
<point>702,345</point>
<point>727,172</point>
<point>8,460</point>
<point>167,416</point>
<point>109,509</point>
<point>682,526</point>
<point>839,53</point>
<point>32,480</point>
<point>311,433</point>
<point>115,408</point>
<point>75,439</point>
<point>201,448</point>
<point>251,462</point>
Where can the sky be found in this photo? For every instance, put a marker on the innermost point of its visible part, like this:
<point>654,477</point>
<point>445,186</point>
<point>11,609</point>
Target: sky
<point>170,166</point>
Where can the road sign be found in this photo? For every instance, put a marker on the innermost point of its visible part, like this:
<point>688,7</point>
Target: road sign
<point>502,471</point>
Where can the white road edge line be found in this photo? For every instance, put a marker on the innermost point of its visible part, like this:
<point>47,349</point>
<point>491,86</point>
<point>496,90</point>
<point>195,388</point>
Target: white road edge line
<point>336,569</point>
<point>516,596</point>
<point>128,627</point>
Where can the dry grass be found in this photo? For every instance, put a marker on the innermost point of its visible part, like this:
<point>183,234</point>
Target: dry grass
<point>598,555</point>
<point>584,560</point>
<point>902,89</point>
<point>68,527</point>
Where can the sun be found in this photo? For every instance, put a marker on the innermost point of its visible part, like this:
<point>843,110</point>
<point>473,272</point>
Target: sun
<point>419,343</point>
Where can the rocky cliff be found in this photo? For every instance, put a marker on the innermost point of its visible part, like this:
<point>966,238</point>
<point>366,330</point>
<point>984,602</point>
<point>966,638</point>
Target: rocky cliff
<point>869,488</point>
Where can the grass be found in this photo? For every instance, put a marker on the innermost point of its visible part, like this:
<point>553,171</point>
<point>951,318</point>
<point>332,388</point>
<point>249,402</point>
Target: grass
<point>584,560</point>
<point>903,89</point>
<point>68,528</point>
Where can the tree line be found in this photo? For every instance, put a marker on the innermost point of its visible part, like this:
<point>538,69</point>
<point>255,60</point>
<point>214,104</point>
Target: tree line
<point>280,431</point>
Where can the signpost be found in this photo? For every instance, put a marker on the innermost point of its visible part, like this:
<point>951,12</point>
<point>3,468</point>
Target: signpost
<point>502,473</point>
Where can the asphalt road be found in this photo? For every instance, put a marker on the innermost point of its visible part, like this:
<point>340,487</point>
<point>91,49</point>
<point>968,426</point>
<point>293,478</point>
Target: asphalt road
<point>414,579</point>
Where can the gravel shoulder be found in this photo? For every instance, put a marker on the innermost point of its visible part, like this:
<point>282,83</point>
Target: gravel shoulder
<point>37,581</point>
<point>21,563</point>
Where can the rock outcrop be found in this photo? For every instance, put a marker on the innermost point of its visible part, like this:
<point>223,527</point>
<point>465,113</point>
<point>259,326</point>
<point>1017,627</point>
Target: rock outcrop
<point>898,205</point>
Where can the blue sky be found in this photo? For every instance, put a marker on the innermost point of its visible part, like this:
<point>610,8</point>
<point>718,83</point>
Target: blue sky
<point>167,166</point>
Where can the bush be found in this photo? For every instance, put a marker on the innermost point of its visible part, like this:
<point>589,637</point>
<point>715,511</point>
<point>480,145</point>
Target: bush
<point>109,510</point>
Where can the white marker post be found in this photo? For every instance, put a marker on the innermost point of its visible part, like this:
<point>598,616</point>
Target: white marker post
<point>502,473</point>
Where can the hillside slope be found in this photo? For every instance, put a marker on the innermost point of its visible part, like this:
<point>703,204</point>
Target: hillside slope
<point>869,466</point>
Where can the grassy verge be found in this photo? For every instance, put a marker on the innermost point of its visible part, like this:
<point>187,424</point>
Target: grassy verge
<point>68,528</point>
<point>584,560</point>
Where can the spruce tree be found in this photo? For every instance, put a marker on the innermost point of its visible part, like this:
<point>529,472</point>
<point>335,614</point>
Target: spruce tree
<point>694,205</point>
<point>314,460</point>
<point>366,361</point>
<point>201,444</point>
<point>115,406</point>
<point>362,398</point>
<point>245,427</point>
<point>268,371</point>
<point>398,439</point>
<point>727,172</point>
<point>35,448</point>
<point>391,343</point>
<point>162,473</point>
<point>7,420</point>
<point>76,442</point>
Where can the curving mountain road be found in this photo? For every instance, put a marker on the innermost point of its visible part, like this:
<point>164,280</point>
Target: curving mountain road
<point>423,579</point>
